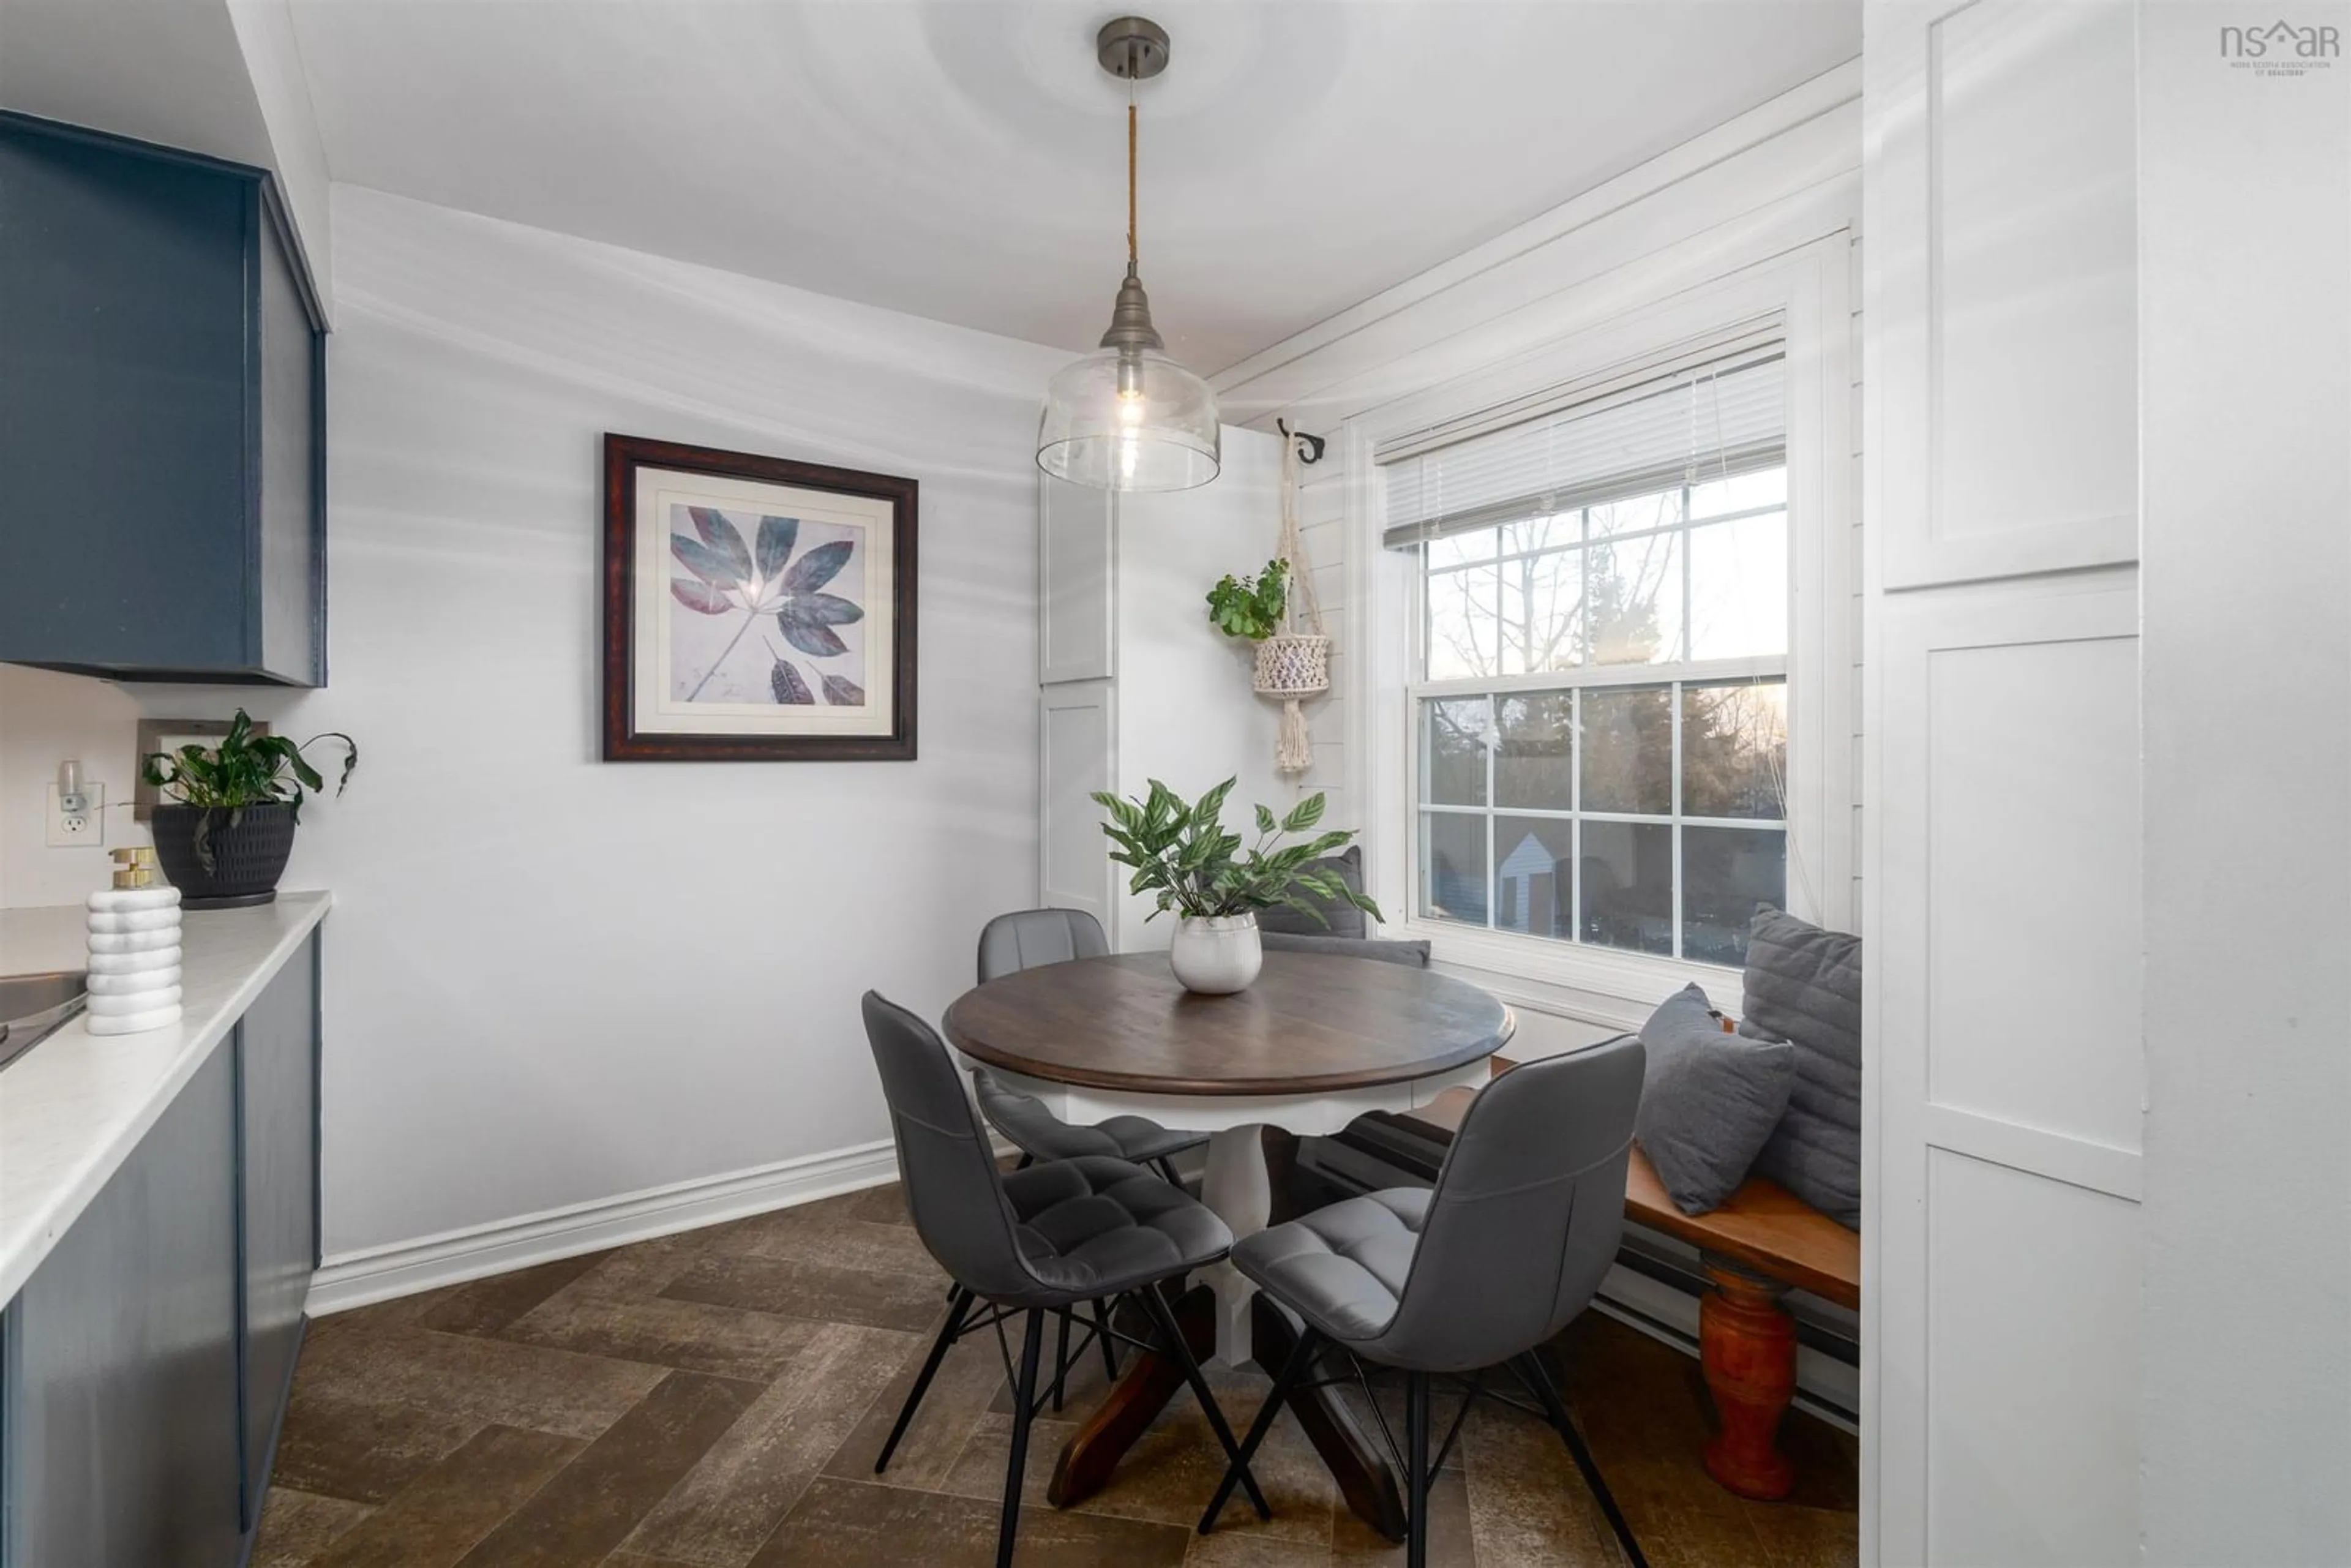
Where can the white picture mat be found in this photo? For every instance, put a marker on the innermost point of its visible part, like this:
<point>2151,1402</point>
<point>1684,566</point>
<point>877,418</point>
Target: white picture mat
<point>653,709</point>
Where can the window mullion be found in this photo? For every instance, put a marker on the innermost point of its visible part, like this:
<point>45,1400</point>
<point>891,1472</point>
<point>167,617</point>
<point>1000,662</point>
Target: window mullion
<point>1576,805</point>
<point>1676,698</point>
<point>1493,737</point>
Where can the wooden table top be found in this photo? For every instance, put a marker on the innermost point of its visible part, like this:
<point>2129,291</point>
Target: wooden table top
<point>1311,1024</point>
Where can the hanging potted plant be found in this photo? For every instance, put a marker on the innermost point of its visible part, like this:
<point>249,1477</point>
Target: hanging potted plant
<point>226,825</point>
<point>1293,654</point>
<point>1182,852</point>
<point>1255,609</point>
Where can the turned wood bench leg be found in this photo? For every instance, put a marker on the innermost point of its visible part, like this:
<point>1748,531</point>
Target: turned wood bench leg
<point>1746,1349</point>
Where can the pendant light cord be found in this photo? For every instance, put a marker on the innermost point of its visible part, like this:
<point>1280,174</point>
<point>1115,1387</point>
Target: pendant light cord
<point>1130,250</point>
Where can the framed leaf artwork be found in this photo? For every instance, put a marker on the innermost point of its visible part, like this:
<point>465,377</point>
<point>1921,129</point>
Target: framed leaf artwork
<point>755,608</point>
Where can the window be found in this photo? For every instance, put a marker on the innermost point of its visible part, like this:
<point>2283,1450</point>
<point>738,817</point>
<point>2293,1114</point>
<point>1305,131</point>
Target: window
<point>1599,689</point>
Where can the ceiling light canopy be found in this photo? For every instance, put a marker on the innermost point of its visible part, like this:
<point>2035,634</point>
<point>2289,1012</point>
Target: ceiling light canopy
<point>1127,417</point>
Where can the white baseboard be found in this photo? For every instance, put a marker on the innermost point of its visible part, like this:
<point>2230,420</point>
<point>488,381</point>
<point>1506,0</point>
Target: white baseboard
<point>403,1269</point>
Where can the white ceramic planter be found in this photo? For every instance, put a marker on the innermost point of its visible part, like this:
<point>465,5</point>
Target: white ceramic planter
<point>1216,955</point>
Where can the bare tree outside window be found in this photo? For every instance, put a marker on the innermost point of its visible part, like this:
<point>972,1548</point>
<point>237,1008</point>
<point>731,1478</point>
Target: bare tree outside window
<point>1646,812</point>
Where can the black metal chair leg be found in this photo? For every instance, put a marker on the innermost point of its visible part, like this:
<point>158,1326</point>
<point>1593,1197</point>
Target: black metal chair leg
<point>1538,1377</point>
<point>1060,1356</point>
<point>1024,1399</point>
<point>1102,1332</point>
<point>1026,1159</point>
<point>1416,1446</point>
<point>959,1303</point>
<point>1301,1356</point>
<point>1157,1305</point>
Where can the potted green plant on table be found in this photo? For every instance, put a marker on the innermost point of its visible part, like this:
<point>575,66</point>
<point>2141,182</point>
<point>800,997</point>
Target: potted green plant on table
<point>1181,852</point>
<point>226,823</point>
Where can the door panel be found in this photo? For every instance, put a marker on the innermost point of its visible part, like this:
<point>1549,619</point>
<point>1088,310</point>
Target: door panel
<point>279,1087</point>
<point>2004,917</point>
<point>2003,245</point>
<point>124,1399</point>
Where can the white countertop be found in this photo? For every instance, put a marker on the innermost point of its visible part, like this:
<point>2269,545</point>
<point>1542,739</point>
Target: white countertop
<point>73,1107</point>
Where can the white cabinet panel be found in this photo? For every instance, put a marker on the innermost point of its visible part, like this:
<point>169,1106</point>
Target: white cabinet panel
<point>1075,583</point>
<point>1077,729</point>
<point>2030,756</point>
<point>2007,242</point>
<point>2032,1363</point>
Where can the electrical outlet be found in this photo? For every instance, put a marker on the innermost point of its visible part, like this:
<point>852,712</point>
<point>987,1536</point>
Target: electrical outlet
<point>85,829</point>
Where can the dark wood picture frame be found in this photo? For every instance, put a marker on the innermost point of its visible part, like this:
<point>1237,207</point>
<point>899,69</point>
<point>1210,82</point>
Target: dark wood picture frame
<point>623,456</point>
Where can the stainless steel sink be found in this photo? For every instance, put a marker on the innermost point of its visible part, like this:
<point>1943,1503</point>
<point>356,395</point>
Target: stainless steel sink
<point>32,1007</point>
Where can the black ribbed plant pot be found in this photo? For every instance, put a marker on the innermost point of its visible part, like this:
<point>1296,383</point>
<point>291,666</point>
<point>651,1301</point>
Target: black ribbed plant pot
<point>247,859</point>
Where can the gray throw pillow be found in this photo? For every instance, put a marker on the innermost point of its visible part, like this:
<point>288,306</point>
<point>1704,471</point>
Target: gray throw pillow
<point>1347,920</point>
<point>1803,985</point>
<point>1708,1100</point>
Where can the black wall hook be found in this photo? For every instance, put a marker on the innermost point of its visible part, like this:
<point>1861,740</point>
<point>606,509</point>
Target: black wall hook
<point>1312,449</point>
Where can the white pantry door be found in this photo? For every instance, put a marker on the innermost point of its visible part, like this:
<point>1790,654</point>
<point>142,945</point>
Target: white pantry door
<point>2001,819</point>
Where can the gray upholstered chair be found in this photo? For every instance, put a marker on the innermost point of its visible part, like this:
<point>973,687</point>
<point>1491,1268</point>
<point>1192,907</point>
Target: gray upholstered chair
<point>1479,1272</point>
<point>1036,1242</point>
<point>1026,940</point>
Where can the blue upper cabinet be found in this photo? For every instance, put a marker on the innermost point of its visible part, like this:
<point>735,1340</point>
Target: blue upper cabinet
<point>162,416</point>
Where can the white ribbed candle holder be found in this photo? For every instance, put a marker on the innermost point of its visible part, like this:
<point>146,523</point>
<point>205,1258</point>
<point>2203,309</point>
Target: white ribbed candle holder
<point>134,959</point>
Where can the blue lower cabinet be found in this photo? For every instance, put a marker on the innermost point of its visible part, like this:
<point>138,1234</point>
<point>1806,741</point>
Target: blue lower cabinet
<point>277,1104</point>
<point>147,1360</point>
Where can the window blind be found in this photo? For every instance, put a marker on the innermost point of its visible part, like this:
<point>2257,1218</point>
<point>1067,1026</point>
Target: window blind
<point>1645,431</point>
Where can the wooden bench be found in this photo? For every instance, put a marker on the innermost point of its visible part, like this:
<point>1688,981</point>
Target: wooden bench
<point>1762,1243</point>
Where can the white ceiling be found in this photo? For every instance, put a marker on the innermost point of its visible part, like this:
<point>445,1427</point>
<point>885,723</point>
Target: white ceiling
<point>965,159</point>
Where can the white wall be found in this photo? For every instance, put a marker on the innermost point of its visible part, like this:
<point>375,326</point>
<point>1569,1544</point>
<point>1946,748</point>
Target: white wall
<point>2245,238</point>
<point>549,979</point>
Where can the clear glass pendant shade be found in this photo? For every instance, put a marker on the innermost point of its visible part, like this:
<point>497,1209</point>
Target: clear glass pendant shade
<point>1129,419</point>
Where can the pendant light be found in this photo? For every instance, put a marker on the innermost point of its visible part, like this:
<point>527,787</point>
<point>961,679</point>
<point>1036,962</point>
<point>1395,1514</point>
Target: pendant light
<point>1127,417</point>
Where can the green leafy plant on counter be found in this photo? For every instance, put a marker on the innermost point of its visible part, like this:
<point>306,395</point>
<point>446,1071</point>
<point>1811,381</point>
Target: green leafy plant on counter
<point>245,771</point>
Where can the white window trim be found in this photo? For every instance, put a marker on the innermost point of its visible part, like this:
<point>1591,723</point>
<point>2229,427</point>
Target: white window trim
<point>1809,288</point>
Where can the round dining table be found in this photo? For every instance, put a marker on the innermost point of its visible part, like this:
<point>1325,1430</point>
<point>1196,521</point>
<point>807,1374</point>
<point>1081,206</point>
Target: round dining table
<point>1313,1042</point>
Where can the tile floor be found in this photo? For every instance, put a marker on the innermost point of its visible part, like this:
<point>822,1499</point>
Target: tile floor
<point>716,1399</point>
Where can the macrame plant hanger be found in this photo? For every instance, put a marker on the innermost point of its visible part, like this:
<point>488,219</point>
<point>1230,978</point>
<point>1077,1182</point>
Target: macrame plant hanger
<point>1294,664</point>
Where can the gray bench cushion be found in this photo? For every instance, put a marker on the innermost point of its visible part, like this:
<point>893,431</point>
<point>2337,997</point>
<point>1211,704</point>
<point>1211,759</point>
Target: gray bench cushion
<point>1383,949</point>
<point>1345,919</point>
<point>1803,985</point>
<point>1708,1100</point>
